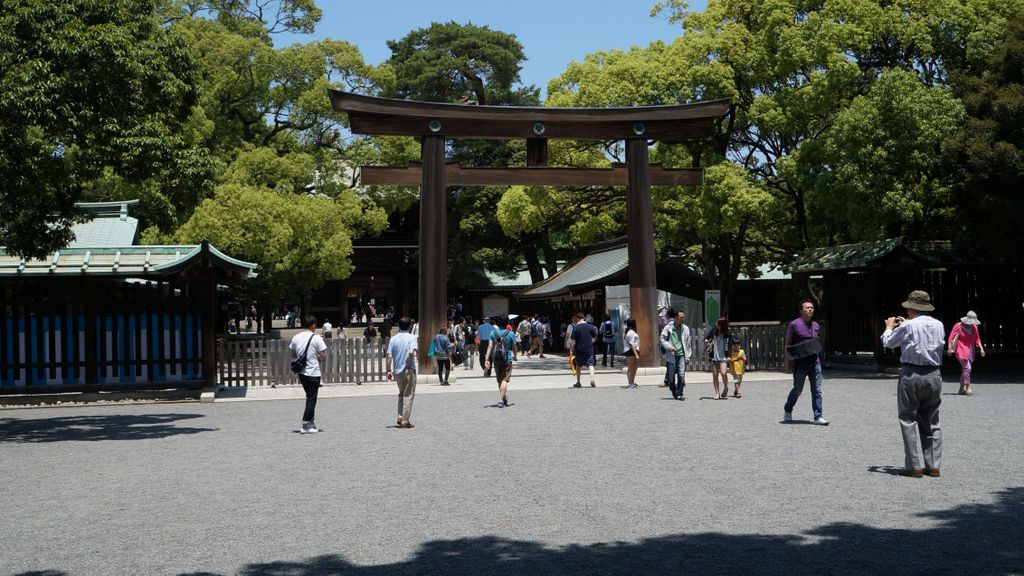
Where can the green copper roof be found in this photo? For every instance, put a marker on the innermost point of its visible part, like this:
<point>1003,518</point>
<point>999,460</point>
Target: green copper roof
<point>894,251</point>
<point>122,261</point>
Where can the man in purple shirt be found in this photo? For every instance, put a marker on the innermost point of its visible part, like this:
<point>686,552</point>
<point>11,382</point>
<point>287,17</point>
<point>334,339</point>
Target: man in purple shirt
<point>801,356</point>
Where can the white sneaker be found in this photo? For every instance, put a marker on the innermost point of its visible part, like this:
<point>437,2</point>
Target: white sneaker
<point>820,421</point>
<point>308,428</point>
<point>787,416</point>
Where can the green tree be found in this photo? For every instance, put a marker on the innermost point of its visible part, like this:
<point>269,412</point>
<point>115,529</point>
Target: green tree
<point>454,63</point>
<point>89,90</point>
<point>446,62</point>
<point>986,157</point>
<point>877,172</point>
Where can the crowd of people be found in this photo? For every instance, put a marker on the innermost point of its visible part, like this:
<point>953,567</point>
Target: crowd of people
<point>498,343</point>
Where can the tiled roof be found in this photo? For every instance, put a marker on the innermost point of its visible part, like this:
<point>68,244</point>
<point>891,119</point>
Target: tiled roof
<point>577,276</point>
<point>122,261</point>
<point>868,254</point>
<point>110,225</point>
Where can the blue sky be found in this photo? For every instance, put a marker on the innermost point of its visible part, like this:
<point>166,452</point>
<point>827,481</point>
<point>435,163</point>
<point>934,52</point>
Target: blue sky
<point>552,32</point>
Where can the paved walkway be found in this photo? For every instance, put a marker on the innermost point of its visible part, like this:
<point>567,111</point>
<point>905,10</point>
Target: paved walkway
<point>591,481</point>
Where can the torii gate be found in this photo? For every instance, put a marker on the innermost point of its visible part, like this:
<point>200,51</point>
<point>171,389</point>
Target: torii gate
<point>434,122</point>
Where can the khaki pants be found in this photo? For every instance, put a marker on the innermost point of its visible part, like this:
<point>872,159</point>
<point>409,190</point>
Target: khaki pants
<point>406,391</point>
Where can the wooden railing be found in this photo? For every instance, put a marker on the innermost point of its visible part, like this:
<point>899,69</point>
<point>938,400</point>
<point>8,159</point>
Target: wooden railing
<point>265,362</point>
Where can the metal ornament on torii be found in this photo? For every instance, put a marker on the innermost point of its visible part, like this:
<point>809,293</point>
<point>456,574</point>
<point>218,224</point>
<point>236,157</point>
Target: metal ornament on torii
<point>435,122</point>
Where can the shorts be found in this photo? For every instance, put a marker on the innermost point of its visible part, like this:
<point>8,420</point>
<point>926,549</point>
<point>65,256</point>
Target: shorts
<point>502,372</point>
<point>585,358</point>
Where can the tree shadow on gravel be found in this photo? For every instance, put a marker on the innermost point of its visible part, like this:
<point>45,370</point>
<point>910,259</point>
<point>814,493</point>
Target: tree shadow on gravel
<point>976,539</point>
<point>92,428</point>
<point>969,539</point>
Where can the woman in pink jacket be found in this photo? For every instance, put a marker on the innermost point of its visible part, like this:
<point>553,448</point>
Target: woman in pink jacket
<point>963,339</point>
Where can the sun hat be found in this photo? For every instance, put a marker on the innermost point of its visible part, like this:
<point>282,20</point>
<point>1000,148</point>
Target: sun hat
<point>971,319</point>
<point>919,300</point>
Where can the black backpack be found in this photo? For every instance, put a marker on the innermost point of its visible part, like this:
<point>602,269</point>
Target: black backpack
<point>608,330</point>
<point>499,354</point>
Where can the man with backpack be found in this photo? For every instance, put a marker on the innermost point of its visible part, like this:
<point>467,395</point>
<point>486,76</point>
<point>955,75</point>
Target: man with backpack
<point>501,351</point>
<point>608,340</point>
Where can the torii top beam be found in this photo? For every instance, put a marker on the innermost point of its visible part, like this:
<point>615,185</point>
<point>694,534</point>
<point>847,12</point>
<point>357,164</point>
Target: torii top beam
<point>384,116</point>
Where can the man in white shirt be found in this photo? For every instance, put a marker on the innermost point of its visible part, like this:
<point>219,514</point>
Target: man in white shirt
<point>401,363</point>
<point>921,339</point>
<point>327,331</point>
<point>308,342</point>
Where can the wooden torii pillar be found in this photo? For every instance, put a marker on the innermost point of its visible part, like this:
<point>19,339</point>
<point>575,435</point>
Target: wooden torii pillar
<point>433,123</point>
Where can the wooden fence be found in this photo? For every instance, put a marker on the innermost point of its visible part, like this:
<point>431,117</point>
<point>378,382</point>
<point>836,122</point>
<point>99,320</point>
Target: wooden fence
<point>763,344</point>
<point>265,362</point>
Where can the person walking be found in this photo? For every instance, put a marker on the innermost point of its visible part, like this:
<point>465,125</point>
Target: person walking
<point>676,341</point>
<point>921,339</point>
<point>632,353</point>
<point>401,364</point>
<point>310,343</point>
<point>523,331</point>
<point>441,346</point>
<point>537,336</point>
<point>327,328</point>
<point>963,339</point>
<point>737,366</point>
<point>608,339</point>
<point>484,332</point>
<point>370,333</point>
<point>584,335</point>
<point>802,358</point>
<point>471,343</point>
<point>501,352</point>
<point>719,343</point>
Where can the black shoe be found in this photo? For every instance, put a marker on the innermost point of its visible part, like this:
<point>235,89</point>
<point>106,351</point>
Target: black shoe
<point>577,385</point>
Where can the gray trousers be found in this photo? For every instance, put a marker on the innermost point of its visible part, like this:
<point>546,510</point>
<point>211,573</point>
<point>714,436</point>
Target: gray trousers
<point>918,396</point>
<point>406,392</point>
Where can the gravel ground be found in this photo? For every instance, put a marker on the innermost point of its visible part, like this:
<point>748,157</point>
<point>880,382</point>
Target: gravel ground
<point>591,481</point>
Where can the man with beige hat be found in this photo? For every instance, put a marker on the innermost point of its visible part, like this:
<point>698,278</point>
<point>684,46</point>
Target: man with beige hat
<point>921,339</point>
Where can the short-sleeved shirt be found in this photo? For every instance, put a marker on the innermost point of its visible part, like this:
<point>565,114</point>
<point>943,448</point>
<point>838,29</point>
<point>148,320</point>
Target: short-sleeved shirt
<point>510,343</point>
<point>316,346</point>
<point>402,351</point>
<point>583,335</point>
<point>484,331</point>
<point>632,341</point>
<point>799,331</point>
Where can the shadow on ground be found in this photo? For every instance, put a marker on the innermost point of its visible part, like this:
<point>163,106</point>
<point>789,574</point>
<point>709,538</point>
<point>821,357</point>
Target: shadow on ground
<point>92,428</point>
<point>969,539</point>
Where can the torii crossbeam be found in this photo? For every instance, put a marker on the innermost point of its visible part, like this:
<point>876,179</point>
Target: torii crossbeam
<point>433,123</point>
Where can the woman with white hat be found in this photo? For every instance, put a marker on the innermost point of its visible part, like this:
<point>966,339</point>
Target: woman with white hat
<point>963,339</point>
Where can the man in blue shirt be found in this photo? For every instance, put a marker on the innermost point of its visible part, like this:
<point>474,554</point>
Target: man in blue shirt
<point>484,332</point>
<point>401,363</point>
<point>584,334</point>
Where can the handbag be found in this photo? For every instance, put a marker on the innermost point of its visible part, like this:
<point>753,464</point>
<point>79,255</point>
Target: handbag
<point>804,349</point>
<point>299,364</point>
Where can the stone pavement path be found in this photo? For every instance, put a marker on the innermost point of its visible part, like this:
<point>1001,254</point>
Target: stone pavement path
<point>591,481</point>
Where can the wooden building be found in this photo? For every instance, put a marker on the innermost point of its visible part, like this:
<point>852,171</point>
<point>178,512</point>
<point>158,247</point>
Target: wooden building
<point>105,314</point>
<point>862,284</point>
